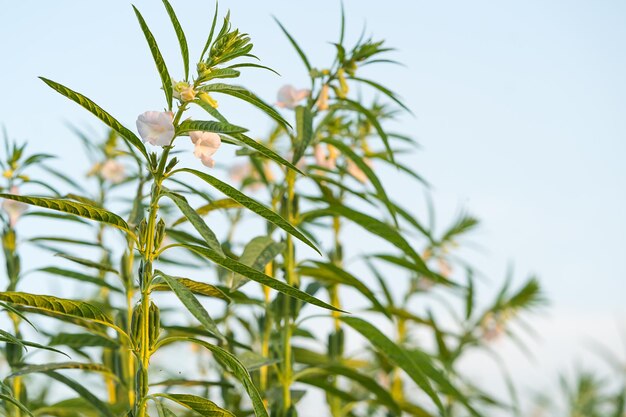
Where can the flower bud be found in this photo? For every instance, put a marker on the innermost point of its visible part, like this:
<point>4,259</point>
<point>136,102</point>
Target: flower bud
<point>322,101</point>
<point>206,97</point>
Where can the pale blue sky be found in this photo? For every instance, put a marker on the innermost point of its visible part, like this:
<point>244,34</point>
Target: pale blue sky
<point>520,110</point>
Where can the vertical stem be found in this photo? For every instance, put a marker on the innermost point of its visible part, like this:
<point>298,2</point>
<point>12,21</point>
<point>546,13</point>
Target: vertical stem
<point>291,280</point>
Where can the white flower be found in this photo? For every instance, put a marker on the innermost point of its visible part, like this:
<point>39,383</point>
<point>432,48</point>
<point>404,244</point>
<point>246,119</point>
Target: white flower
<point>289,97</point>
<point>156,127</point>
<point>14,208</point>
<point>206,144</point>
<point>113,171</point>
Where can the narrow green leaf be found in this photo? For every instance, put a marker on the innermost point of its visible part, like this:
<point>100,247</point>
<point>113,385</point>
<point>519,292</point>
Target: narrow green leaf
<point>72,207</point>
<point>30,368</point>
<point>192,304</point>
<point>81,340</point>
<point>395,354</point>
<point>369,172</point>
<point>166,81</point>
<point>265,151</point>
<point>180,34</point>
<point>200,405</point>
<point>304,131</point>
<point>230,362</point>
<point>373,226</point>
<point>252,205</point>
<point>257,253</point>
<point>88,263</point>
<point>293,42</point>
<point>17,403</point>
<point>198,288</point>
<point>100,406</point>
<point>225,203</point>
<point>196,221</point>
<point>208,126</point>
<point>61,306</point>
<point>97,111</point>
<point>383,90</point>
<point>246,95</point>
<point>332,273</point>
<point>373,120</point>
<point>259,277</point>
<point>79,277</point>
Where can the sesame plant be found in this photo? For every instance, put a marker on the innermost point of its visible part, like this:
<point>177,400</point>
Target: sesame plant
<point>190,309</point>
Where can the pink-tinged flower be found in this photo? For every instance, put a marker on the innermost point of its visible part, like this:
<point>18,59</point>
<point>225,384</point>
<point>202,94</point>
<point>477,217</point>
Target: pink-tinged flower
<point>493,327</point>
<point>325,158</point>
<point>156,127</point>
<point>354,170</point>
<point>206,144</point>
<point>113,171</point>
<point>289,97</point>
<point>14,208</point>
<point>183,91</point>
<point>239,172</point>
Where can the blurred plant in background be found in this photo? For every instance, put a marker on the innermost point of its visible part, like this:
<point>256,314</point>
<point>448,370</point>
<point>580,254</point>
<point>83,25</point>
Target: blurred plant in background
<point>140,228</point>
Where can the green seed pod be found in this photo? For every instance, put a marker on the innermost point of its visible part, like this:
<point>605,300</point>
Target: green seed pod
<point>154,325</point>
<point>135,326</point>
<point>160,234</point>
<point>141,232</point>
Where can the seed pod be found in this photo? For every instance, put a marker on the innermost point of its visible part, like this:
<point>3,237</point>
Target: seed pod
<point>135,326</point>
<point>154,324</point>
<point>160,234</point>
<point>141,232</point>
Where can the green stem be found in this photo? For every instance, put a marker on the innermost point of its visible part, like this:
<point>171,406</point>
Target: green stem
<point>291,280</point>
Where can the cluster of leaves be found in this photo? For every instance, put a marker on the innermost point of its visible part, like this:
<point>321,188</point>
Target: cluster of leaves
<point>317,175</point>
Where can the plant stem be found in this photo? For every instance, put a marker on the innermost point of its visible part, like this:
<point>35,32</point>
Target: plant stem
<point>292,280</point>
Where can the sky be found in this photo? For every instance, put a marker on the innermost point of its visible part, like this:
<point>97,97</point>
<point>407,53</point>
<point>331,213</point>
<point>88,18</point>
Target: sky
<point>519,108</point>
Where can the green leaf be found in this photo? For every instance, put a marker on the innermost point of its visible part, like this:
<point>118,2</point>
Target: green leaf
<point>265,151</point>
<point>259,277</point>
<point>348,152</point>
<point>192,304</point>
<point>395,354</point>
<point>197,222</point>
<point>208,126</point>
<point>373,120</point>
<point>80,277</point>
<point>102,408</point>
<point>17,403</point>
<point>166,81</point>
<point>200,405</point>
<point>246,95</point>
<point>225,203</point>
<point>230,362</point>
<point>373,226</point>
<point>97,111</point>
<point>81,340</point>
<point>334,274</point>
<point>88,263</point>
<point>382,394</point>
<point>252,205</point>
<point>61,306</point>
<point>383,90</point>
<point>71,207</point>
<point>296,46</point>
<point>304,131</point>
<point>199,288</point>
<point>43,368</point>
<point>257,253</point>
<point>180,34</point>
